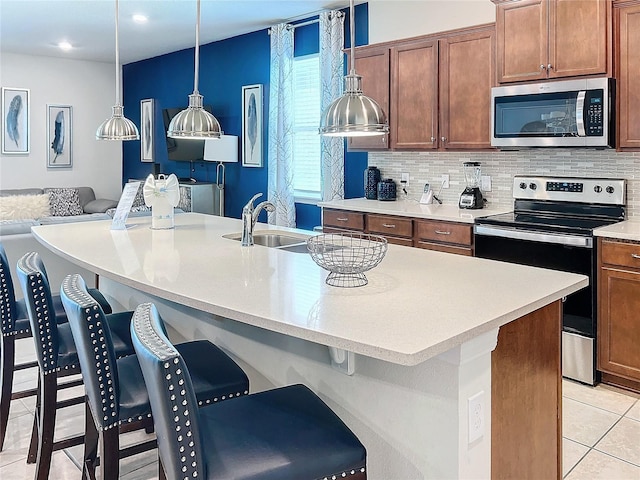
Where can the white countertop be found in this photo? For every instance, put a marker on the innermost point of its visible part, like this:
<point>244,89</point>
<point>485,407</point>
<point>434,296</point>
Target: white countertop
<point>411,208</point>
<point>627,230</point>
<point>418,303</point>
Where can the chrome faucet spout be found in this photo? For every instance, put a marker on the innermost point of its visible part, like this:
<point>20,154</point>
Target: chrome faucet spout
<point>250,216</point>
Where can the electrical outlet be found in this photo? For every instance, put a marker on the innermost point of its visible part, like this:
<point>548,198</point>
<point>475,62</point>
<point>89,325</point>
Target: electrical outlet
<point>445,181</point>
<point>476,416</point>
<point>485,183</point>
<point>405,178</point>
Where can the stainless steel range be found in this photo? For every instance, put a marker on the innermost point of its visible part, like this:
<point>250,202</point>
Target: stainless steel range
<point>552,227</point>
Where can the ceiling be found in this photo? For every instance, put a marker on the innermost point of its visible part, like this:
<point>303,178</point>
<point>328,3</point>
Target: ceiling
<point>34,27</point>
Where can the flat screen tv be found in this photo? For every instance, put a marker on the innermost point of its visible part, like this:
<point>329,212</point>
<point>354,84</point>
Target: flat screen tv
<point>182,149</point>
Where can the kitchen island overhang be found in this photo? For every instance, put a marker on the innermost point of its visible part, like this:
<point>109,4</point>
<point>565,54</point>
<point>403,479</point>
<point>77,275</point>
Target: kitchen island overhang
<point>418,305</point>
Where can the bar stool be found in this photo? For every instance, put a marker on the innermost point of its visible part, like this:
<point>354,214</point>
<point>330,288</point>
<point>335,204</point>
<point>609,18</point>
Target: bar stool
<point>14,325</point>
<point>285,433</point>
<point>56,357</point>
<point>116,391</point>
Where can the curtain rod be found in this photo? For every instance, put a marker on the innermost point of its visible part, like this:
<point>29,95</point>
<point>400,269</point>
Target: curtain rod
<point>303,24</point>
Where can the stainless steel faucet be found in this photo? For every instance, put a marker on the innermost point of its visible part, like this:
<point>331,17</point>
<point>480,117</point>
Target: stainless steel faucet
<point>249,217</point>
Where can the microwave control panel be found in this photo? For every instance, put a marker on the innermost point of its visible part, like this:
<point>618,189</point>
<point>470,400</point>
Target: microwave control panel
<point>593,121</point>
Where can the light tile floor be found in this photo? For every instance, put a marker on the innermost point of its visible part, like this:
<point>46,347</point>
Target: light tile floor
<point>601,429</point>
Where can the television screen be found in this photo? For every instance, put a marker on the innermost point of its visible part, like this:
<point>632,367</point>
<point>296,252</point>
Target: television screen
<point>182,149</point>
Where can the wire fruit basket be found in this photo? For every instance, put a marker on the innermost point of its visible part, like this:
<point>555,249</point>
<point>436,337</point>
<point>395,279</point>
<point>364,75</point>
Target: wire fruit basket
<point>347,256</point>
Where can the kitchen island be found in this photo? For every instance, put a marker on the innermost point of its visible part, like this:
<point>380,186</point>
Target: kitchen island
<point>417,340</point>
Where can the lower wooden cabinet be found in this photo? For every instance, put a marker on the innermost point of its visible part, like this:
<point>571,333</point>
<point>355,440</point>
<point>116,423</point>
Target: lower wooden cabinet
<point>618,308</point>
<point>444,236</point>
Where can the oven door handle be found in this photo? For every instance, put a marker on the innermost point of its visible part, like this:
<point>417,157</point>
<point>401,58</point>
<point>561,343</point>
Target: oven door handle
<point>561,239</point>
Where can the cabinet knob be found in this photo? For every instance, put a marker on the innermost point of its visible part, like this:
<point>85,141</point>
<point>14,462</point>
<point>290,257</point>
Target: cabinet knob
<point>433,139</point>
<point>635,255</point>
<point>444,139</point>
<point>549,67</point>
<point>542,67</point>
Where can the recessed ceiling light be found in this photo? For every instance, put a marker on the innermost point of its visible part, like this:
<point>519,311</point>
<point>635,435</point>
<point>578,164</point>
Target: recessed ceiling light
<point>66,46</point>
<point>140,18</point>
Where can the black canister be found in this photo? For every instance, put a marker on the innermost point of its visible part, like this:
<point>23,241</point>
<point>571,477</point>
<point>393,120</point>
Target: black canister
<point>371,178</point>
<point>387,190</point>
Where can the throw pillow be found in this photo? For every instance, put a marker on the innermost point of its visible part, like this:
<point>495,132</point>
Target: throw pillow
<point>100,205</point>
<point>64,201</point>
<point>23,207</point>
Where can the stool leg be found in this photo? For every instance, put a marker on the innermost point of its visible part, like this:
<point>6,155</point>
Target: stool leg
<point>110,454</point>
<point>47,426</point>
<point>91,437</point>
<point>7,363</point>
<point>32,455</point>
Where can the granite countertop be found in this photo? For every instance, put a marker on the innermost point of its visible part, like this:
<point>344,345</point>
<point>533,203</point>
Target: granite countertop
<point>627,230</point>
<point>418,303</point>
<point>411,208</point>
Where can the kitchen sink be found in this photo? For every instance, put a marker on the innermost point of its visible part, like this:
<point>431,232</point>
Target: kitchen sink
<point>275,239</point>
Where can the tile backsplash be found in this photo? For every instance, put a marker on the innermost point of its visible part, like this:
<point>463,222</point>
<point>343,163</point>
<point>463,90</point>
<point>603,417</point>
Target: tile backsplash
<point>501,166</point>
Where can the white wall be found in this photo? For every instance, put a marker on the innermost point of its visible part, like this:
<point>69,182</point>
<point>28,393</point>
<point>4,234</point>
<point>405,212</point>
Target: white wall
<point>89,87</point>
<point>397,19</point>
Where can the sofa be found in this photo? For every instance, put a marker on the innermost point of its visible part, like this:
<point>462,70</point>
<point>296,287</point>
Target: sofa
<point>20,209</point>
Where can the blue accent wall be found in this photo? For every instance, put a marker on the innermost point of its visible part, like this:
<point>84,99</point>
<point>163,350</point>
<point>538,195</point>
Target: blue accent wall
<point>225,67</point>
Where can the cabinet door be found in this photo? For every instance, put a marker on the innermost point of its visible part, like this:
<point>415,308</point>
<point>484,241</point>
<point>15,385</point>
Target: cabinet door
<point>522,40</point>
<point>372,64</point>
<point>414,95</point>
<point>579,37</point>
<point>467,73</point>
<point>619,323</point>
<point>628,66</point>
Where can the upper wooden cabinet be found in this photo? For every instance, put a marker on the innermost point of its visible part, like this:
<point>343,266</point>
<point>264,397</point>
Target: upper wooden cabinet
<point>437,90</point>
<point>627,28</point>
<point>540,39</point>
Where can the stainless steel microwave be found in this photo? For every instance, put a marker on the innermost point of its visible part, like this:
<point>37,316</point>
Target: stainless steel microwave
<point>570,113</point>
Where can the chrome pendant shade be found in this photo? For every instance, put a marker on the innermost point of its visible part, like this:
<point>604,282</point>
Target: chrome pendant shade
<point>353,114</point>
<point>118,127</point>
<point>195,122</point>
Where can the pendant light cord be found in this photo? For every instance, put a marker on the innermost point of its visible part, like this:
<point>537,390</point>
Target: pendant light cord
<point>197,69</point>
<point>117,61</point>
<point>352,32</point>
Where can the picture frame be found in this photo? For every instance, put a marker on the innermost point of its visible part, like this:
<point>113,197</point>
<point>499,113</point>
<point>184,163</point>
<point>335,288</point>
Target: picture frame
<point>252,124</point>
<point>147,127</point>
<point>16,121</point>
<point>59,136</point>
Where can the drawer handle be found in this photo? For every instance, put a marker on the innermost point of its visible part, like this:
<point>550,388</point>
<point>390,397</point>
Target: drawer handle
<point>635,255</point>
<point>342,219</point>
<point>440,232</point>
<point>388,225</point>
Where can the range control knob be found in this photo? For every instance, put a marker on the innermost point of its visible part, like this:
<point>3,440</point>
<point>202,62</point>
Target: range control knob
<point>523,185</point>
<point>533,186</point>
<point>597,189</point>
<point>610,189</point>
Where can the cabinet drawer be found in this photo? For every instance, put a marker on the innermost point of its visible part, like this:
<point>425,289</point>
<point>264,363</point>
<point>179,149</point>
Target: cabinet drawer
<point>446,232</point>
<point>343,219</point>
<point>405,242</point>
<point>386,225</point>
<point>623,254</point>
<point>458,250</point>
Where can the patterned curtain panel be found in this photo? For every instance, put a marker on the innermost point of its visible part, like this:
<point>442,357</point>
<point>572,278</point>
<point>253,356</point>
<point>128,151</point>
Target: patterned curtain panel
<point>280,183</point>
<point>331,79</point>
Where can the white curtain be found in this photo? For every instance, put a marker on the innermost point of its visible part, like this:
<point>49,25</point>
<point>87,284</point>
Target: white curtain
<point>331,79</point>
<point>280,183</point>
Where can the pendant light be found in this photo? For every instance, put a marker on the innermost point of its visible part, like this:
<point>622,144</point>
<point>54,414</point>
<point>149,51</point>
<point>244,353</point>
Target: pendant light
<point>195,122</point>
<point>118,127</point>
<point>353,114</point>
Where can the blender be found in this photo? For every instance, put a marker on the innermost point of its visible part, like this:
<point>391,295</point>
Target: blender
<point>471,197</point>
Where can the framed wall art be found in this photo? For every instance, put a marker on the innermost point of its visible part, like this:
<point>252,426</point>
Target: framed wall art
<point>59,136</point>
<point>252,125</point>
<point>15,121</point>
<point>147,140</point>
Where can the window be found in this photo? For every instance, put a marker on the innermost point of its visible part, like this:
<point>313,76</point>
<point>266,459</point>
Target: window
<point>306,119</point>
